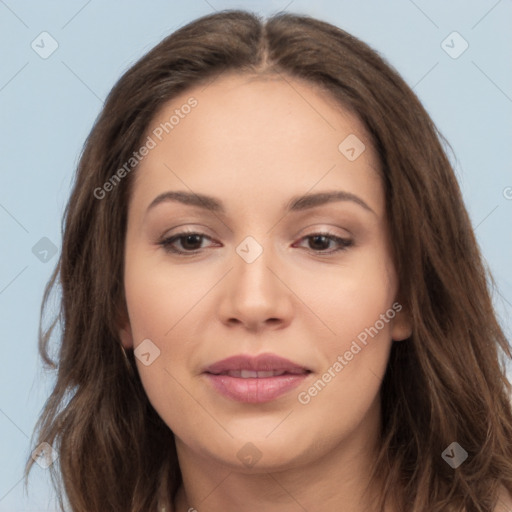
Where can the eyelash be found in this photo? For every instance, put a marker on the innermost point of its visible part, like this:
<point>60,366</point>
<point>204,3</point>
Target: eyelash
<point>166,243</point>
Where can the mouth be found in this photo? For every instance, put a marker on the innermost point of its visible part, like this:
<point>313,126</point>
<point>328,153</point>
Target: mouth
<point>257,379</point>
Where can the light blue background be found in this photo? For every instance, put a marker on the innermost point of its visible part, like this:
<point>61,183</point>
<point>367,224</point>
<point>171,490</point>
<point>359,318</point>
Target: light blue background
<point>48,107</point>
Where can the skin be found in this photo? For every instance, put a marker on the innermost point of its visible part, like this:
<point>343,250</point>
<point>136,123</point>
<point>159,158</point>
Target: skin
<point>253,143</point>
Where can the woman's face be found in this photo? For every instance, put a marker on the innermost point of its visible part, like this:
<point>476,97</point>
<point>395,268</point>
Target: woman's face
<point>254,279</point>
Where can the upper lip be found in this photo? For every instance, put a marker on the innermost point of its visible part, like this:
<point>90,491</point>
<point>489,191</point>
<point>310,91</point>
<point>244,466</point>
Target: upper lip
<point>262,362</point>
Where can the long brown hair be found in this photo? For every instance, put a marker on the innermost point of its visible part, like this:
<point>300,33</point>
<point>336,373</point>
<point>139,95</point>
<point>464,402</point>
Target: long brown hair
<point>446,383</point>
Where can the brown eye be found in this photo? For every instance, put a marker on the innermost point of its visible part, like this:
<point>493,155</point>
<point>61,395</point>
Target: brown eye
<point>190,242</point>
<point>319,242</point>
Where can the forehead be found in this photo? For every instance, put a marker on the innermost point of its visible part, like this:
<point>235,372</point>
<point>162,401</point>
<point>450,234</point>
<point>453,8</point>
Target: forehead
<point>253,135</point>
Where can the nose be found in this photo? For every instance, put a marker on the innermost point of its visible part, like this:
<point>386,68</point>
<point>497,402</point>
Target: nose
<point>254,295</point>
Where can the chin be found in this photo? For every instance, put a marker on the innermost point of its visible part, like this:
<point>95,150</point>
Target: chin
<point>252,451</point>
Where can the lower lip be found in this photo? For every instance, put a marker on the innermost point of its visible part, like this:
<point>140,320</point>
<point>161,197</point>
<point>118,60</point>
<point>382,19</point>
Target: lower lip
<point>255,390</point>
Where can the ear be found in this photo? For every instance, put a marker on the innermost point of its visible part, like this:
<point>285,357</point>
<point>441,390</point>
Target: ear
<point>125,335</point>
<point>124,331</point>
<point>401,328</point>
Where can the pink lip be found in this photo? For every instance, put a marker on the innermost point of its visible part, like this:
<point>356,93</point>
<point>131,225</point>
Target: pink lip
<point>255,390</point>
<point>262,362</point>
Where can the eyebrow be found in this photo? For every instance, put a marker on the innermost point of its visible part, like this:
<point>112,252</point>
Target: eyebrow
<point>295,204</point>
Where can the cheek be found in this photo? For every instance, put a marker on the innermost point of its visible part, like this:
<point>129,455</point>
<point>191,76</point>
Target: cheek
<point>158,313</point>
<point>355,306</point>
<point>159,297</point>
<point>163,306</point>
<point>354,358</point>
<point>350,298</point>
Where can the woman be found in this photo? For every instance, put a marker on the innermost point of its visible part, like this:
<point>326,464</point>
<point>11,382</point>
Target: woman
<point>272,296</point>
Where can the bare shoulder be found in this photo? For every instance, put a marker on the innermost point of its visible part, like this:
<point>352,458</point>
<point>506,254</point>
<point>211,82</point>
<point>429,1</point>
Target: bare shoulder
<point>504,501</point>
